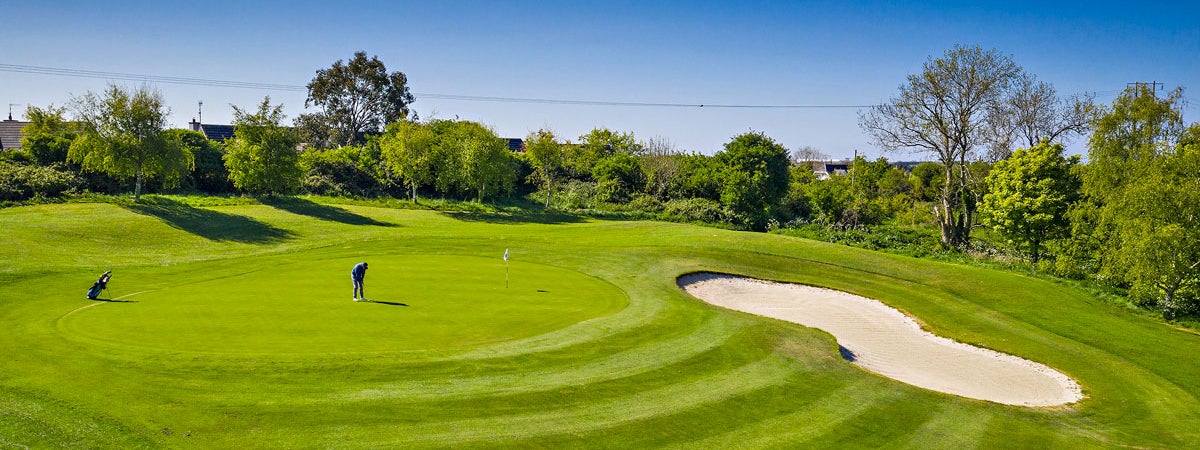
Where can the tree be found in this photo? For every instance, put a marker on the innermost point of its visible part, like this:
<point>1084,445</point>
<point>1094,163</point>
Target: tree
<point>408,148</point>
<point>48,136</point>
<point>262,156</point>
<point>122,135</point>
<point>546,155</point>
<point>661,163</point>
<point>810,157</point>
<point>1034,112</point>
<point>487,165</point>
<point>1030,194</point>
<point>356,98</point>
<point>948,110</point>
<point>755,177</point>
<point>596,145</point>
<point>1143,195</point>
<point>618,178</point>
<point>209,174</point>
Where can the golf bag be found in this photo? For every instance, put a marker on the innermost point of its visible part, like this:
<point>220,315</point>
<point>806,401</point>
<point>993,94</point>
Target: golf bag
<point>99,286</point>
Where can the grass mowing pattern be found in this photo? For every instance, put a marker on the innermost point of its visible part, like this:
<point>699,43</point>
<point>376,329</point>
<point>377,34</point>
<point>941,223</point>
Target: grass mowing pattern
<point>237,331</point>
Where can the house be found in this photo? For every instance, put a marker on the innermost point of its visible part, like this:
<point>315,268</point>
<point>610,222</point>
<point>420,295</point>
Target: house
<point>212,131</point>
<point>10,133</point>
<point>515,145</point>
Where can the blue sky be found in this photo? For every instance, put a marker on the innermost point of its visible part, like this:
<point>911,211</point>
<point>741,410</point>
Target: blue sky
<point>741,53</point>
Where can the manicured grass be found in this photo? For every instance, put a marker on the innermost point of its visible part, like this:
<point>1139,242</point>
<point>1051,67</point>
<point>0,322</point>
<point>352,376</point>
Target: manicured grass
<point>231,326</point>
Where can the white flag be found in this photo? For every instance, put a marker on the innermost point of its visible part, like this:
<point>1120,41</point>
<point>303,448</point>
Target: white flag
<point>506,254</point>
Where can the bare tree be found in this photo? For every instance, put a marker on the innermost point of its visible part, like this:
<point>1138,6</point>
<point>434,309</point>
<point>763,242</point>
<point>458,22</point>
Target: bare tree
<point>1033,112</point>
<point>661,163</point>
<point>810,156</point>
<point>948,110</point>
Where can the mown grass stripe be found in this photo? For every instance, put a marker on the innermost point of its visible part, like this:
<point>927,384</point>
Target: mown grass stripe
<point>645,358</point>
<point>770,371</point>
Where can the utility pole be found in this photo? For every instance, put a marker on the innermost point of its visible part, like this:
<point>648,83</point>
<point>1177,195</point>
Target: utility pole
<point>200,113</point>
<point>1154,86</point>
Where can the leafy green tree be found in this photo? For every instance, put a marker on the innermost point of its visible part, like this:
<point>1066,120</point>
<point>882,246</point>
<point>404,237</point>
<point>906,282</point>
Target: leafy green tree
<point>949,110</point>
<point>48,136</point>
<point>546,155</point>
<point>356,98</point>
<point>1141,187</point>
<point>408,149</point>
<point>344,171</point>
<point>262,156</point>
<point>596,145</point>
<point>488,167</point>
<point>122,135</point>
<point>755,177</point>
<point>830,200</point>
<point>618,178</point>
<point>1030,194</point>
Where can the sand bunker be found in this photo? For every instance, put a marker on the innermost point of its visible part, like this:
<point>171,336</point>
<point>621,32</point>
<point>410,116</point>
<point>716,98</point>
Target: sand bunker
<point>885,341</point>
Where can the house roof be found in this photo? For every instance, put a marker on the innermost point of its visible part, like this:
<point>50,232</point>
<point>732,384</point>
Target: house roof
<point>216,132</point>
<point>515,144</point>
<point>10,134</point>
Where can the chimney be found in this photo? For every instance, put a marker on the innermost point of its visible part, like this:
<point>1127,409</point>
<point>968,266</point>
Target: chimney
<point>194,125</point>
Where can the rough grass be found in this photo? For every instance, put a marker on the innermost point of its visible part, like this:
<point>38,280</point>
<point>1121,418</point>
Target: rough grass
<point>231,326</point>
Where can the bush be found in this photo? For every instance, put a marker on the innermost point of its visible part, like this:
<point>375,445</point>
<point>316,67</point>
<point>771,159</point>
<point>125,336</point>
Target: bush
<point>697,210</point>
<point>23,182</point>
<point>576,194</point>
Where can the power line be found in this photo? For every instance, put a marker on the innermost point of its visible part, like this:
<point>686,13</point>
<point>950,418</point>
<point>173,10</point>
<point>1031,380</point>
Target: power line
<point>38,70</point>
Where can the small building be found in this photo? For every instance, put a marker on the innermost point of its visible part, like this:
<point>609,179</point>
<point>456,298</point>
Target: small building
<point>213,132</point>
<point>515,145</point>
<point>10,133</point>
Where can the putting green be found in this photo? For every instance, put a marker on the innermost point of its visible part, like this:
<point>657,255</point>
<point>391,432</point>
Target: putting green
<point>304,306</point>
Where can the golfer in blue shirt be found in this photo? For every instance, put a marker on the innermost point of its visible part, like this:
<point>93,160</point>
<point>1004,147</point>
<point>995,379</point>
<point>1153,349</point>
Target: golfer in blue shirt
<point>357,275</point>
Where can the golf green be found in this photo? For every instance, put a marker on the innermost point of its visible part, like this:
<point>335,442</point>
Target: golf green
<point>233,327</point>
<point>418,302</point>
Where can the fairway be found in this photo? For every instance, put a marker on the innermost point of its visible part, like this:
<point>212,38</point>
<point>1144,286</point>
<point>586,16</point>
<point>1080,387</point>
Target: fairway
<point>233,327</point>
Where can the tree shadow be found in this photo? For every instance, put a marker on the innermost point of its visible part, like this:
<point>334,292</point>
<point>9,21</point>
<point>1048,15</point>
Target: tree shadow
<point>514,217</point>
<point>209,224</point>
<point>316,210</point>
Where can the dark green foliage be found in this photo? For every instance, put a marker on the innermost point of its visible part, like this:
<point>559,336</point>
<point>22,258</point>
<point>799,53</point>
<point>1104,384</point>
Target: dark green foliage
<point>356,98</point>
<point>927,181</point>
<point>618,177</point>
<point>26,181</point>
<point>696,210</point>
<point>209,175</point>
<point>754,175</point>
<point>345,171</point>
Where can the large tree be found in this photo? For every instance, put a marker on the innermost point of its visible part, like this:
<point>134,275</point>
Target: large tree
<point>1141,187</point>
<point>754,176</point>
<point>1034,112</point>
<point>949,111</point>
<point>488,167</point>
<point>1029,195</point>
<point>355,98</point>
<point>122,135</point>
<point>262,157</point>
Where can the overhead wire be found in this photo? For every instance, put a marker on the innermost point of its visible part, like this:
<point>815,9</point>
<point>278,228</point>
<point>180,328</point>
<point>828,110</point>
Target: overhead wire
<point>39,70</point>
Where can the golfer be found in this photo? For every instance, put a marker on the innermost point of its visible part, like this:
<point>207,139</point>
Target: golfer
<point>357,275</point>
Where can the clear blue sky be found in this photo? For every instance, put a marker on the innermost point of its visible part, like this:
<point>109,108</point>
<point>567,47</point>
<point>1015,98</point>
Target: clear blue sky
<point>744,53</point>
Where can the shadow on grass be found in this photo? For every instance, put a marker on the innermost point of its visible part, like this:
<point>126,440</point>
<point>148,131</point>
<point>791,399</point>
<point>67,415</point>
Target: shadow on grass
<point>110,300</point>
<point>387,303</point>
<point>511,217</point>
<point>316,210</point>
<point>209,224</point>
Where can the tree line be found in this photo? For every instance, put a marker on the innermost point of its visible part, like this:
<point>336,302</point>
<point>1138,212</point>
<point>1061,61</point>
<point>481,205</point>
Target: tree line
<point>1127,215</point>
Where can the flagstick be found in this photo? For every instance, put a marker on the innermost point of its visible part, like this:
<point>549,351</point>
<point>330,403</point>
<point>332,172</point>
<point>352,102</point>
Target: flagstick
<point>506,274</point>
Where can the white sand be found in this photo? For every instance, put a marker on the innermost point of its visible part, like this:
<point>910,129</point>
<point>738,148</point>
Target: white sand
<point>885,341</point>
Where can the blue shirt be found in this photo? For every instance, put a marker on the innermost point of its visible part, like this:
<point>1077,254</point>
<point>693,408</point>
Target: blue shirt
<point>359,272</point>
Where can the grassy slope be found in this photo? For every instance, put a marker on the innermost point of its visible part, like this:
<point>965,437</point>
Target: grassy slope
<point>611,355</point>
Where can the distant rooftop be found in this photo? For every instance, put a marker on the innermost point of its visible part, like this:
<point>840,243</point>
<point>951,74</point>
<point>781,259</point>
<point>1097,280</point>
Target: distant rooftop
<point>10,133</point>
<point>212,131</point>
